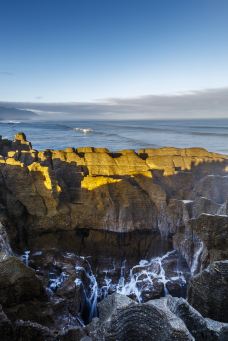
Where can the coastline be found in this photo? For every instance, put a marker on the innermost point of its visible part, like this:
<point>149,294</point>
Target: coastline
<point>93,224</point>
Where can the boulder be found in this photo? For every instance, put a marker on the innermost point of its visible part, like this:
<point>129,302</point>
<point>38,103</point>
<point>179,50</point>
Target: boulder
<point>201,328</point>
<point>123,319</point>
<point>194,321</point>
<point>18,283</point>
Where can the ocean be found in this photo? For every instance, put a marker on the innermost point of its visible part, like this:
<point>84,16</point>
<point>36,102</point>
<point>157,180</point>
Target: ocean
<point>116,135</point>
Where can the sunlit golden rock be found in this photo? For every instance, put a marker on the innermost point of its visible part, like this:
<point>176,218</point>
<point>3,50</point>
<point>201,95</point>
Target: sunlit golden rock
<point>95,188</point>
<point>90,182</point>
<point>20,137</point>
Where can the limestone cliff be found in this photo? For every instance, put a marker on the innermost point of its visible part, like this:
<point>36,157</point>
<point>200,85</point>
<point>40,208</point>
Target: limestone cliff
<point>148,189</point>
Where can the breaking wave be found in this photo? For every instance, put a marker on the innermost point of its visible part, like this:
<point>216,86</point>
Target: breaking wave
<point>10,122</point>
<point>84,130</point>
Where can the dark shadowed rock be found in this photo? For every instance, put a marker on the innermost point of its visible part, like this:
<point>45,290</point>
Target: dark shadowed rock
<point>109,307</point>
<point>72,334</point>
<point>213,187</point>
<point>18,283</point>
<point>201,328</point>
<point>208,291</point>
<point>126,320</point>
<point>204,205</point>
<point>30,331</point>
<point>217,330</point>
<point>212,230</point>
<point>194,321</point>
<point>203,240</point>
<point>6,328</point>
<point>5,248</point>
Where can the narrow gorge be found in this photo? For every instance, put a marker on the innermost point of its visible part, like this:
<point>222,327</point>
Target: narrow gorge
<point>103,245</point>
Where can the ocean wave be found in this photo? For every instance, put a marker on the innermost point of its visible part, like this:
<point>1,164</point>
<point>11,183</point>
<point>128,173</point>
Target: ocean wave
<point>10,122</point>
<point>209,127</point>
<point>84,130</point>
<point>200,133</point>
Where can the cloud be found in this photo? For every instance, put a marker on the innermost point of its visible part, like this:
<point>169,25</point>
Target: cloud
<point>208,103</point>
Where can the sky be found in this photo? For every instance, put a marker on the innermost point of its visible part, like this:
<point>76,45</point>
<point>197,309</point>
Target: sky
<point>100,53</point>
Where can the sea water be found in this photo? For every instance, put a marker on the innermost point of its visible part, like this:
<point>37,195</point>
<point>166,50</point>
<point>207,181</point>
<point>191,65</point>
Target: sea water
<point>116,135</point>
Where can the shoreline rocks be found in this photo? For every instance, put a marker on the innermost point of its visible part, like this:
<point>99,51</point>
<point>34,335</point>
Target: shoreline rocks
<point>208,291</point>
<point>123,204</point>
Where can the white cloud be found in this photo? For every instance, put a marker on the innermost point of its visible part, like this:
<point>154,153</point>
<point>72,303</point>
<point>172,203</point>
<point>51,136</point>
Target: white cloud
<point>208,103</point>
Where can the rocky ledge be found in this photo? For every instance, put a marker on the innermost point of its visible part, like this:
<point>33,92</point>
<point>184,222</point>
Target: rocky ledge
<point>80,224</point>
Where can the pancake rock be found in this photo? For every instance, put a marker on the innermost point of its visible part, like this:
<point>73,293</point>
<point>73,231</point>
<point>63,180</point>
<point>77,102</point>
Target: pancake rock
<point>208,291</point>
<point>122,319</point>
<point>93,188</point>
<point>149,220</point>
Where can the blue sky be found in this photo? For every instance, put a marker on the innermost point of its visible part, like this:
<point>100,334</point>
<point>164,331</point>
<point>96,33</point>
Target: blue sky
<point>88,50</point>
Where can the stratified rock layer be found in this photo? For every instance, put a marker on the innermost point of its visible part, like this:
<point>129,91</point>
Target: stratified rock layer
<point>208,291</point>
<point>161,319</point>
<point>121,319</point>
<point>92,198</point>
<point>93,188</point>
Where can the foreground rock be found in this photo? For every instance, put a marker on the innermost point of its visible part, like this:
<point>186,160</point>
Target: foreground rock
<point>18,283</point>
<point>6,327</point>
<point>122,319</point>
<point>26,330</point>
<point>208,291</point>
<point>163,319</point>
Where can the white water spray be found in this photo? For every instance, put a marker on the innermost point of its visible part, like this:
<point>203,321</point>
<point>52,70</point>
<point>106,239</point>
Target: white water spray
<point>196,259</point>
<point>56,282</point>
<point>143,274</point>
<point>25,257</point>
<point>91,295</point>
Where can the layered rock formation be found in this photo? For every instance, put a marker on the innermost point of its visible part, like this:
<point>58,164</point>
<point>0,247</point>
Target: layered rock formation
<point>97,189</point>
<point>128,206</point>
<point>163,319</point>
<point>208,291</point>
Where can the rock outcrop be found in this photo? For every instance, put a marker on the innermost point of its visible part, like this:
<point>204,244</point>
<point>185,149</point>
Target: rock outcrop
<point>93,188</point>
<point>201,328</point>
<point>168,318</point>
<point>18,283</point>
<point>208,291</point>
<point>96,202</point>
<point>122,319</point>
